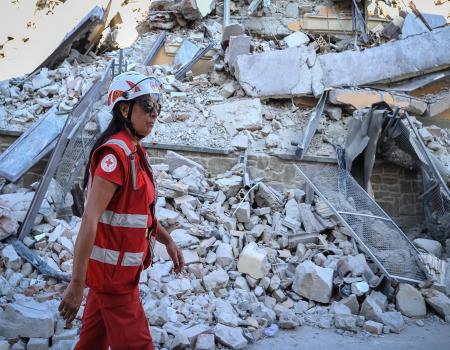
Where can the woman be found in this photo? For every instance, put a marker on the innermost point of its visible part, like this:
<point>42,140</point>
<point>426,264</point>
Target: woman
<point>119,224</point>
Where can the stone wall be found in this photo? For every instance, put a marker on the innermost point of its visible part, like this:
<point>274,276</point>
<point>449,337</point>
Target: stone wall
<point>396,190</point>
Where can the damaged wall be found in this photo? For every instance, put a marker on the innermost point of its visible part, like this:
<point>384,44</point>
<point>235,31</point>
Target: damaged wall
<point>395,188</point>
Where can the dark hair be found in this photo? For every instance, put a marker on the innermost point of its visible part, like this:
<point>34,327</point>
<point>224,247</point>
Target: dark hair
<point>115,125</point>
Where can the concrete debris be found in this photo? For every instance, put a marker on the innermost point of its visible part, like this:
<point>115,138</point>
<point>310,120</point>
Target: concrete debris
<point>205,342</point>
<point>27,318</point>
<point>282,257</point>
<point>313,282</point>
<point>337,67</point>
<point>230,336</point>
<point>290,73</point>
<point>238,115</point>
<point>296,39</point>
<point>238,45</point>
<point>253,261</point>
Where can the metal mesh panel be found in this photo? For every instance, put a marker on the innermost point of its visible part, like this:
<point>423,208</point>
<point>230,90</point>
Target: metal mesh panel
<point>84,135</point>
<point>378,235</point>
<point>436,200</point>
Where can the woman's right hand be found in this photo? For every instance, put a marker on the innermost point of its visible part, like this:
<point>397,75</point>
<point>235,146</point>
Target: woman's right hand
<point>70,304</point>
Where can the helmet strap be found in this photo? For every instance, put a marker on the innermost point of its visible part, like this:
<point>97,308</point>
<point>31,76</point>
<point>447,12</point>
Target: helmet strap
<point>129,124</point>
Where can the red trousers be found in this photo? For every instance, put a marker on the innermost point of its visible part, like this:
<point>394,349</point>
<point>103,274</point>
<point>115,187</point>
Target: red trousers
<point>115,321</point>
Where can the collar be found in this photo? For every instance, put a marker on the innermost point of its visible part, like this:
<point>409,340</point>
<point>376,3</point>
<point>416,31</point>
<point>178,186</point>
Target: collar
<point>124,136</point>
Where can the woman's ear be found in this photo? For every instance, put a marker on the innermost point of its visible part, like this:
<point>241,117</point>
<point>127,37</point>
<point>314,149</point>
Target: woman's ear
<point>123,107</point>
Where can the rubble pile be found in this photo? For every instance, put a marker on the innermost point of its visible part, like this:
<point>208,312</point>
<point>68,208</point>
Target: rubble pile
<point>24,100</point>
<point>255,262</point>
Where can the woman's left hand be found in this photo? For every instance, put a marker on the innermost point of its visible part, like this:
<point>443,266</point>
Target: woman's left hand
<point>176,255</point>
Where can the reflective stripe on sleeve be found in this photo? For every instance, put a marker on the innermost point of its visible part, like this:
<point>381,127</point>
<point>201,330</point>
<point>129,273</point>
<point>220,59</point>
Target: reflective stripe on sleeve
<point>124,220</point>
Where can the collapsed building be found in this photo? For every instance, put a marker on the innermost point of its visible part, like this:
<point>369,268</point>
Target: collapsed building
<point>292,145</point>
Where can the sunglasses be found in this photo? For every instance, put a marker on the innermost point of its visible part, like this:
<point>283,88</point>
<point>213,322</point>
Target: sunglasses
<point>149,104</point>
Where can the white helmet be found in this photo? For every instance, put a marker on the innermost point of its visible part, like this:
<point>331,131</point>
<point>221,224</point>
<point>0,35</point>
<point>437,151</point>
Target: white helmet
<point>129,85</point>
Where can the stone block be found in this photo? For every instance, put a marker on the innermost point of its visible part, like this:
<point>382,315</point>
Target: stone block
<point>243,212</point>
<point>230,336</point>
<point>394,320</point>
<point>224,255</point>
<point>238,45</point>
<point>438,301</point>
<point>313,282</point>
<point>234,29</point>
<point>216,280</point>
<point>253,261</point>
<point>429,245</point>
<point>373,327</point>
<point>296,39</point>
<point>410,302</point>
<point>205,342</point>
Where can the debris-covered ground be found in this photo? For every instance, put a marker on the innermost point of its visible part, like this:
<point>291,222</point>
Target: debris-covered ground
<point>261,260</point>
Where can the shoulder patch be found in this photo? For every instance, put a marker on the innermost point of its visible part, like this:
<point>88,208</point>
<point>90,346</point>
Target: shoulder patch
<point>109,163</point>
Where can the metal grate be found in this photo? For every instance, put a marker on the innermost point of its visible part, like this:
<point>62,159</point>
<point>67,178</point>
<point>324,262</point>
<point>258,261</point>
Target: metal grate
<point>377,234</point>
<point>81,140</point>
<point>436,195</point>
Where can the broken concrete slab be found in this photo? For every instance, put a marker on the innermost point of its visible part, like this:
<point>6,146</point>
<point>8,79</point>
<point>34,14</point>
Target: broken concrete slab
<point>439,106</point>
<point>393,61</point>
<point>238,114</point>
<point>413,25</point>
<point>365,98</point>
<point>27,318</point>
<point>253,261</point>
<point>410,302</point>
<point>276,74</point>
<point>313,282</point>
<point>175,160</point>
<point>267,27</point>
